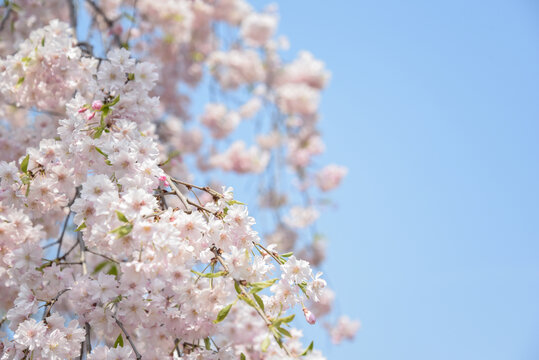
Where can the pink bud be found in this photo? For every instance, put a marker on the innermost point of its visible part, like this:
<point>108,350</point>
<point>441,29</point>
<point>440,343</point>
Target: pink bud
<point>97,105</point>
<point>117,29</point>
<point>82,109</point>
<point>309,316</point>
<point>163,179</point>
<point>91,116</point>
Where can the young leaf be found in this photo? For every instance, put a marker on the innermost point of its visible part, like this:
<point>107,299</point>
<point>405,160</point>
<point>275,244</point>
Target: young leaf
<point>284,331</point>
<point>237,287</point>
<point>24,163</point>
<point>259,286</point>
<point>259,301</point>
<point>233,202</point>
<point>265,344</point>
<point>119,341</point>
<point>210,275</point>
<point>223,313</point>
<point>242,356</point>
<point>121,217</point>
<point>100,266</point>
<point>309,349</point>
<point>81,226</point>
<point>113,270</point>
<point>123,230</point>
<point>114,102</point>
<point>101,152</point>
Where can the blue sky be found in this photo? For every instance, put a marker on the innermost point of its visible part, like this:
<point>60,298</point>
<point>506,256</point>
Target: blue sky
<point>433,107</point>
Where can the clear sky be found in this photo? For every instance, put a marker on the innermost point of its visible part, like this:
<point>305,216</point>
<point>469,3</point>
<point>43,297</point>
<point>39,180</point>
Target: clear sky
<point>433,106</point>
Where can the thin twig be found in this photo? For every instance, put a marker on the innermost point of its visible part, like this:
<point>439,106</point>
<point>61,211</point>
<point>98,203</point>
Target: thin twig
<point>6,15</point>
<point>61,238</point>
<point>102,255</point>
<point>272,254</point>
<point>72,15</point>
<point>182,197</point>
<point>119,323</point>
<point>82,253</point>
<point>88,338</point>
<point>51,303</point>
<point>207,189</point>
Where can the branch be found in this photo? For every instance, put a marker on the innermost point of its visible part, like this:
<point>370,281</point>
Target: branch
<point>82,253</point>
<point>207,189</point>
<point>88,339</point>
<point>102,255</point>
<point>72,15</point>
<point>137,354</point>
<point>245,293</point>
<point>6,15</point>
<point>109,22</point>
<point>61,238</point>
<point>182,197</point>
<point>51,303</point>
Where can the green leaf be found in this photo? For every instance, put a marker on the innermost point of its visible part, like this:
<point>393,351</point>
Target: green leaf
<point>237,287</point>
<point>207,343</point>
<point>242,356</point>
<point>119,341</point>
<point>101,152</point>
<point>130,76</point>
<point>286,320</point>
<point>259,301</point>
<point>81,226</point>
<point>43,41</point>
<point>123,230</point>
<point>98,132</point>
<point>171,156</point>
<point>233,202</point>
<point>25,179</point>
<point>113,102</point>
<point>210,275</point>
<point>121,217</point>
<point>284,331</point>
<point>113,270</point>
<point>223,313</point>
<point>20,81</point>
<point>24,163</point>
<point>100,266</point>
<point>26,59</point>
<point>248,300</point>
<point>129,17</point>
<point>265,344</point>
<point>303,286</point>
<point>309,349</point>
<point>288,254</point>
<point>259,286</point>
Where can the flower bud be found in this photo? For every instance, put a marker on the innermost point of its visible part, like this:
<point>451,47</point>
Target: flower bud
<point>163,179</point>
<point>309,316</point>
<point>97,105</point>
<point>91,116</point>
<point>83,109</point>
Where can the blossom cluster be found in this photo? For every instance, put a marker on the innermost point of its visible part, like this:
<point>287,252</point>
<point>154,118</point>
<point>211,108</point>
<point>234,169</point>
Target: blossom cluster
<point>108,249</point>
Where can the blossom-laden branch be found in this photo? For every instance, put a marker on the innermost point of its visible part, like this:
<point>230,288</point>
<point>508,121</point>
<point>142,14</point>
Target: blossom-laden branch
<point>91,130</point>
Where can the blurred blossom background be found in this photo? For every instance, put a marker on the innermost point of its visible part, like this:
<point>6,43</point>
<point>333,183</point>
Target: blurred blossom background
<point>433,107</point>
